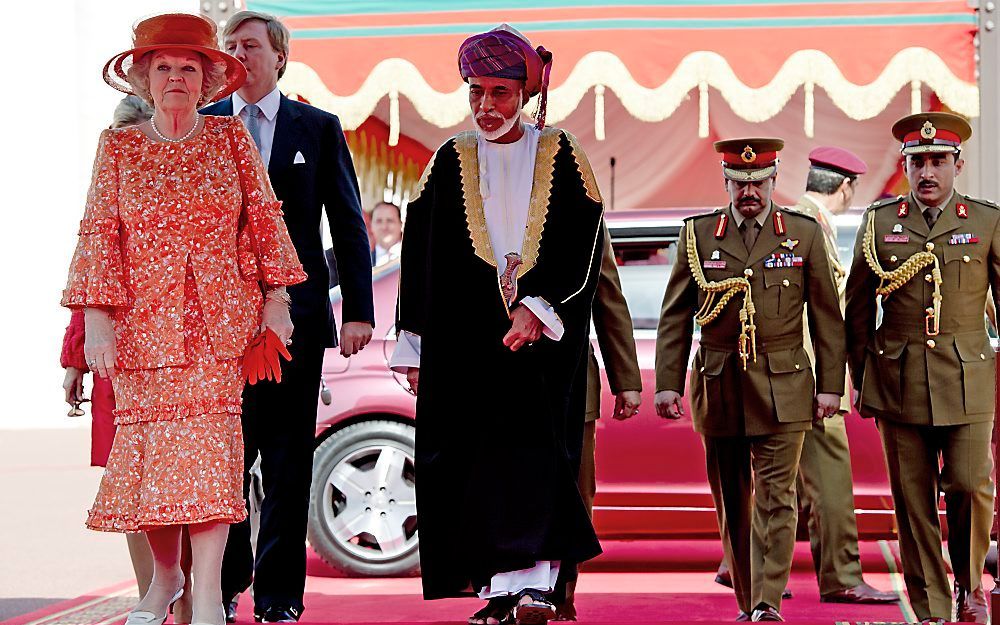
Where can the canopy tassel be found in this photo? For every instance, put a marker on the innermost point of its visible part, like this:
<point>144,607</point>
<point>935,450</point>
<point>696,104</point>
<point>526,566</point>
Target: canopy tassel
<point>703,110</point>
<point>810,112</point>
<point>393,117</point>
<point>599,112</point>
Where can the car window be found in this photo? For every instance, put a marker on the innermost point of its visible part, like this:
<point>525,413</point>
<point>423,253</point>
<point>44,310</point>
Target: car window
<point>644,271</point>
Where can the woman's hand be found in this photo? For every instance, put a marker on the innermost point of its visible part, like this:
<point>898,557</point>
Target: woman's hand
<point>99,342</point>
<point>73,385</point>
<point>277,318</point>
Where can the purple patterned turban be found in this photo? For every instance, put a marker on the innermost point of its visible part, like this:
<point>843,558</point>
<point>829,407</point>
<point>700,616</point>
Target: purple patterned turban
<point>505,53</point>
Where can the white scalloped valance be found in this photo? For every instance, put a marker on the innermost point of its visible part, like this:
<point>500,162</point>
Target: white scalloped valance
<point>598,71</point>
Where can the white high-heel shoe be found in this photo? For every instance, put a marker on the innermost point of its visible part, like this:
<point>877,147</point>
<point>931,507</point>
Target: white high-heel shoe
<point>142,617</point>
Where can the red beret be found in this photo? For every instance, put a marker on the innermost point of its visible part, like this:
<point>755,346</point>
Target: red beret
<point>839,160</point>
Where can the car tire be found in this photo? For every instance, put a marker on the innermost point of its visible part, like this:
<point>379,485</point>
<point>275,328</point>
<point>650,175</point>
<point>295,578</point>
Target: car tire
<point>362,508</point>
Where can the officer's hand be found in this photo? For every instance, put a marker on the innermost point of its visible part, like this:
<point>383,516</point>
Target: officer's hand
<point>413,379</point>
<point>668,404</point>
<point>827,405</point>
<point>627,404</point>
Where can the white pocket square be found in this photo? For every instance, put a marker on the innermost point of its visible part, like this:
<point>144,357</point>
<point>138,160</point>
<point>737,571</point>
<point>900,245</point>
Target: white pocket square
<point>298,158</point>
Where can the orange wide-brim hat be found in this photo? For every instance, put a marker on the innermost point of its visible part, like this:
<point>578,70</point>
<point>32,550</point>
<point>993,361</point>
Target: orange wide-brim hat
<point>174,31</point>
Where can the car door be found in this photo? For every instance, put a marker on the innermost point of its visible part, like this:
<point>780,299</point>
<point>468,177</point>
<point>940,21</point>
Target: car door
<point>651,478</point>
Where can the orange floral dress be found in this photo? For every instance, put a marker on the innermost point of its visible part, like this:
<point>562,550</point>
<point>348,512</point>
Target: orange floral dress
<point>176,242</point>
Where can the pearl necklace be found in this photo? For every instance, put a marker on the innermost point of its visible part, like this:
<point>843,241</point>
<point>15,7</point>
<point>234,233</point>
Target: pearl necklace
<point>190,133</point>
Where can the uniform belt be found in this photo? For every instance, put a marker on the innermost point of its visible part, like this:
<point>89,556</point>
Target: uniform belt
<point>764,344</point>
<point>912,326</point>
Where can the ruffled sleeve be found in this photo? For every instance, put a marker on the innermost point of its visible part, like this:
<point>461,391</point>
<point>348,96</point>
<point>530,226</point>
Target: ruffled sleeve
<point>96,274</point>
<point>72,347</point>
<point>265,248</point>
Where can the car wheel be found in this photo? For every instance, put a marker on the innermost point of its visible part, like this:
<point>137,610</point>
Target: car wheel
<point>363,509</point>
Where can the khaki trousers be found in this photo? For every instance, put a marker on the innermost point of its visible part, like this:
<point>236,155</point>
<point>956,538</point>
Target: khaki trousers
<point>826,499</point>
<point>753,485</point>
<point>913,454</point>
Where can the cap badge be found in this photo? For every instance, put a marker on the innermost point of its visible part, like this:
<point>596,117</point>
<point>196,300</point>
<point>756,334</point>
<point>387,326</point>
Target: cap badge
<point>928,131</point>
<point>789,244</point>
<point>748,155</point>
<point>897,229</point>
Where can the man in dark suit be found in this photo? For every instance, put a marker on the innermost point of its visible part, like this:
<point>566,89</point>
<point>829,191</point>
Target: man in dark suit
<point>310,170</point>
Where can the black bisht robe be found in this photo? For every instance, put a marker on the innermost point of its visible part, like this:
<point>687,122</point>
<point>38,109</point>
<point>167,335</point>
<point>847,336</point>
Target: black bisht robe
<point>496,483</point>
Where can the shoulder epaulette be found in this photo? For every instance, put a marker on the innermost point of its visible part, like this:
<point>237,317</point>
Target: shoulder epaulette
<point>799,214</point>
<point>703,215</point>
<point>987,203</point>
<point>886,202</point>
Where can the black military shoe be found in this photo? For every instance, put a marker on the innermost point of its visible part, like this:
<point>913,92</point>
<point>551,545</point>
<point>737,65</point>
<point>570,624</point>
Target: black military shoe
<point>229,605</point>
<point>278,614</point>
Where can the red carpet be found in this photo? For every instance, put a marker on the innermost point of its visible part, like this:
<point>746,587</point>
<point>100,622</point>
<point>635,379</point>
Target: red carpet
<point>635,582</point>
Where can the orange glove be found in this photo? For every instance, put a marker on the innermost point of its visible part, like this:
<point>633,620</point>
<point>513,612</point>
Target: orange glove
<point>261,360</point>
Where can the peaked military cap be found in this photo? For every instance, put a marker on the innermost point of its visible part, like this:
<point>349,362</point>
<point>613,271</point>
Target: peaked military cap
<point>936,132</point>
<point>750,159</point>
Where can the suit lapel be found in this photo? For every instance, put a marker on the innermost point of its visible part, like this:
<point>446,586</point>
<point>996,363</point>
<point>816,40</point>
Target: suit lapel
<point>286,137</point>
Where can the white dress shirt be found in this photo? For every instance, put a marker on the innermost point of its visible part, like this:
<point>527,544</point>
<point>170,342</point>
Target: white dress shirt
<point>382,255</point>
<point>268,105</point>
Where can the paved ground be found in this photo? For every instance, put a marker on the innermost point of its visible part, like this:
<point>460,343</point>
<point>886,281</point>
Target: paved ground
<point>46,487</point>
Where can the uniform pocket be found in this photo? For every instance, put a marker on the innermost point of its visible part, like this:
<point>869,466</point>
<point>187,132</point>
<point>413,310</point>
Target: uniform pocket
<point>978,372</point>
<point>881,388</point>
<point>792,384</point>
<point>963,267</point>
<point>706,381</point>
<point>782,290</point>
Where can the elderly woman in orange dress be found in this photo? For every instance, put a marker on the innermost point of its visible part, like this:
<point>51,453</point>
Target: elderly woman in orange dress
<point>182,259</point>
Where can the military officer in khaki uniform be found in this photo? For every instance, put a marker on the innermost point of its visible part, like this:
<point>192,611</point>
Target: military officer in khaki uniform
<point>825,487</point>
<point>926,372</point>
<point>613,324</point>
<point>744,274</point>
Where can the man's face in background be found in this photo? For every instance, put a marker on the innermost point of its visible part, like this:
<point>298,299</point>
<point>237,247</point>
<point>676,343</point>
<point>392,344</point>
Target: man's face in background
<point>387,227</point>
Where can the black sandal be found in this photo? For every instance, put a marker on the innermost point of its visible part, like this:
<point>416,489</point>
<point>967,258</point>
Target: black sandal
<point>498,608</point>
<point>538,611</point>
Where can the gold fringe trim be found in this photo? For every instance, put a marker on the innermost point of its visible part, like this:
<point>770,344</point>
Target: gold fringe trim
<point>586,171</point>
<point>446,110</point>
<point>541,191</point>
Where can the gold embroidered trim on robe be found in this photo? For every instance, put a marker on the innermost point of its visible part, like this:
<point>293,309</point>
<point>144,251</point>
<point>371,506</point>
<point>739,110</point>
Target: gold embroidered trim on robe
<point>586,171</point>
<point>541,192</point>
<point>467,146</point>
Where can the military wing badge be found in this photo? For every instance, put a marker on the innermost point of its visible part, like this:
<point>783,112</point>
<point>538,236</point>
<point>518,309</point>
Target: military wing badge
<point>789,244</point>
